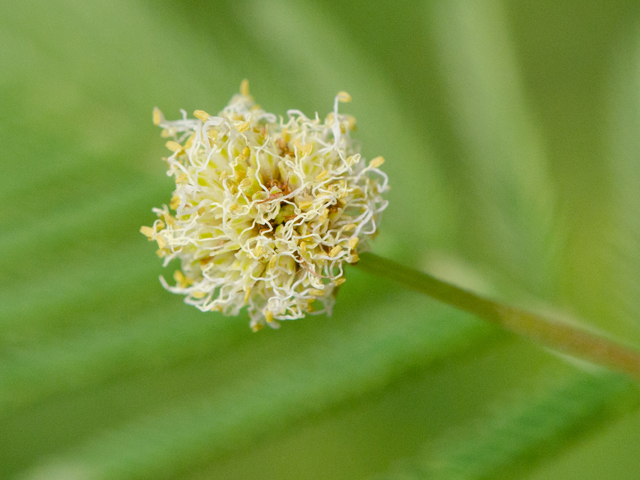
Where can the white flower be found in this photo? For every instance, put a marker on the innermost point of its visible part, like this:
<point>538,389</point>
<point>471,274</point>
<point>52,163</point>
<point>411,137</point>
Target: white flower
<point>267,210</point>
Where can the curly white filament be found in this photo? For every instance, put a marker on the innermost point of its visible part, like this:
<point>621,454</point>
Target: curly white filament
<point>267,210</point>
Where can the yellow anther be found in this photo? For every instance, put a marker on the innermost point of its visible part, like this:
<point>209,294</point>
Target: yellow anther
<point>353,242</point>
<point>160,225</point>
<point>244,126</point>
<point>303,247</point>
<point>161,242</point>
<point>273,261</point>
<point>157,116</point>
<point>147,232</point>
<point>233,206</point>
<point>307,149</point>
<point>169,219</point>
<point>335,251</point>
<point>198,295</point>
<point>376,162</point>
<point>351,122</point>
<point>305,205</point>
<point>258,251</point>
<point>344,97</point>
<point>215,308</point>
<point>213,134</point>
<point>268,316</point>
<point>189,141</point>
<point>246,183</point>
<point>244,88</point>
<point>339,281</point>
<point>349,227</point>
<point>257,327</point>
<point>201,115</point>
<point>161,252</point>
<point>173,146</point>
<point>175,202</point>
<point>246,152</point>
<point>330,119</point>
<point>355,258</point>
<point>246,294</point>
<point>165,133</point>
<point>316,293</point>
<point>322,175</point>
<point>179,277</point>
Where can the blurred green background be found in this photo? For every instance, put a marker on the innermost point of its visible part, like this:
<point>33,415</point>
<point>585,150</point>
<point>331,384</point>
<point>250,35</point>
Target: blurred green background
<point>511,131</point>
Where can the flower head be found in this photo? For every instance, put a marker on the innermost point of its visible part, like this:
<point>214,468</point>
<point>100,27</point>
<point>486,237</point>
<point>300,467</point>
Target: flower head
<point>266,210</point>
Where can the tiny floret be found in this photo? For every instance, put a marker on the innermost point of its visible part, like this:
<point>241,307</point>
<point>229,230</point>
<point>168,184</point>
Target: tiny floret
<point>266,210</point>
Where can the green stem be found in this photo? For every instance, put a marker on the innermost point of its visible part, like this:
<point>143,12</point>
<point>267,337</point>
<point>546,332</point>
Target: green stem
<point>558,335</point>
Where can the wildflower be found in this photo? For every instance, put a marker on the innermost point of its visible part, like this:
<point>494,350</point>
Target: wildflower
<point>266,211</point>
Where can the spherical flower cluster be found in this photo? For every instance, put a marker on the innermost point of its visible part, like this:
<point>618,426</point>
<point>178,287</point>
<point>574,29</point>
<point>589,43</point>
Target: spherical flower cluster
<point>266,210</point>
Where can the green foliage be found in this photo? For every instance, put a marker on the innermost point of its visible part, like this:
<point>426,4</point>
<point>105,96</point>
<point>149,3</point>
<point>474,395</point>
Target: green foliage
<point>527,430</point>
<point>512,151</point>
<point>625,198</point>
<point>502,155</point>
<point>342,361</point>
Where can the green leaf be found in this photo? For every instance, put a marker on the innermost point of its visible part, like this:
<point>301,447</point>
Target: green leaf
<point>502,172</point>
<point>624,293</point>
<point>519,434</point>
<point>365,354</point>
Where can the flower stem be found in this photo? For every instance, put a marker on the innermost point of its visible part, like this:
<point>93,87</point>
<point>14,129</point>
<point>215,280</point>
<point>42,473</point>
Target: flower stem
<point>558,335</point>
